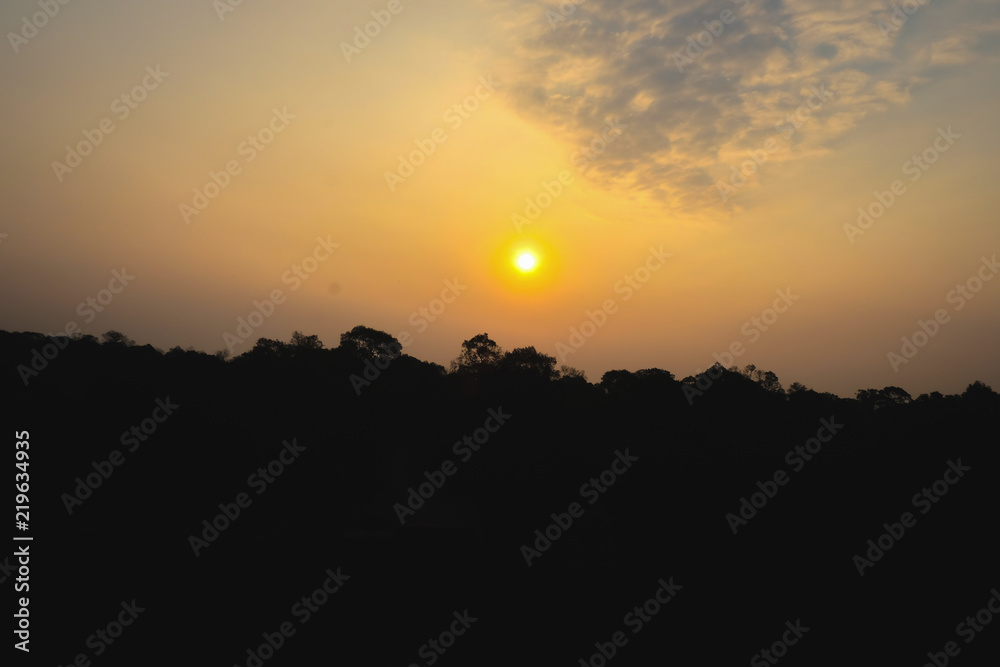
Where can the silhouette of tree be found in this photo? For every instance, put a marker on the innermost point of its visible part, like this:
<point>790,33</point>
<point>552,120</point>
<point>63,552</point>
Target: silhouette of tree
<point>981,396</point>
<point>897,395</point>
<point>301,342</point>
<point>367,343</point>
<point>269,348</point>
<point>766,379</point>
<point>771,383</point>
<point>478,353</point>
<point>618,382</point>
<point>880,398</point>
<point>117,338</point>
<point>657,374</point>
<point>529,361</point>
<point>978,388</point>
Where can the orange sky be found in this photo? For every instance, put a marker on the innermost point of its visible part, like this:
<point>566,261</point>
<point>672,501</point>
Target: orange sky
<point>609,119</point>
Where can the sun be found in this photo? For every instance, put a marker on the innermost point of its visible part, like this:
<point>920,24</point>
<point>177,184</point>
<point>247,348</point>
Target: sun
<point>526,262</point>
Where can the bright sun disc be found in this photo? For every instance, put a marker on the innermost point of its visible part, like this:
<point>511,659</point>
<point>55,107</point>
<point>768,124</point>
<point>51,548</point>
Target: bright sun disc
<point>526,265</point>
<point>526,262</point>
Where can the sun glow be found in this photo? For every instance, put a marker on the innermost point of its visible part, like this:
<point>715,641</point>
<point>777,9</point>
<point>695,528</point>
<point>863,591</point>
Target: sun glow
<point>526,262</point>
<point>525,265</point>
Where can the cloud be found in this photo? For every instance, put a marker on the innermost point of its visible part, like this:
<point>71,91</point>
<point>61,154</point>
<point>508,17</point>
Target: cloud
<point>695,109</point>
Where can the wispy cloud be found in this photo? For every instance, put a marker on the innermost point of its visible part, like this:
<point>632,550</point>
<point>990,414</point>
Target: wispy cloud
<point>741,73</point>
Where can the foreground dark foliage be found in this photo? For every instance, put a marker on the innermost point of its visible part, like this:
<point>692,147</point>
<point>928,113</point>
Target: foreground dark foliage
<point>701,444</point>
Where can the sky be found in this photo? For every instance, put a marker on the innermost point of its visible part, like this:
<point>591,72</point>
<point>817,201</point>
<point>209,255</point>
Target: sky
<point>676,170</point>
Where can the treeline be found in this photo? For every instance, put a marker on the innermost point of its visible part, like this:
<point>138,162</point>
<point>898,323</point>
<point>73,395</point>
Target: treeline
<point>365,355</point>
<point>756,498</point>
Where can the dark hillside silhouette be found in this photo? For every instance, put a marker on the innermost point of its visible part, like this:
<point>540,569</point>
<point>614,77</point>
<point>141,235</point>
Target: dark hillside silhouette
<point>498,443</point>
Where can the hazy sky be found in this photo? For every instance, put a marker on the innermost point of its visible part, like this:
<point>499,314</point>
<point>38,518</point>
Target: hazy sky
<point>398,163</point>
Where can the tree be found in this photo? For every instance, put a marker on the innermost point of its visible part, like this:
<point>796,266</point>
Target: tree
<point>880,398</point>
<point>117,338</point>
<point>771,383</point>
<point>981,395</point>
<point>978,388</point>
<point>529,361</point>
<point>766,379</point>
<point>302,342</point>
<point>269,347</point>
<point>478,353</point>
<point>617,381</point>
<point>897,395</point>
<point>367,343</point>
<point>654,374</point>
